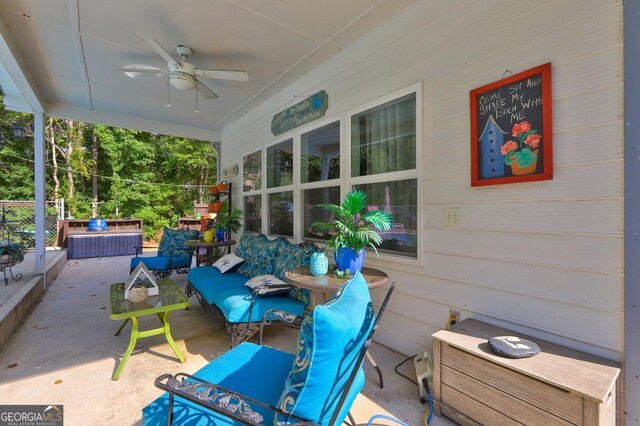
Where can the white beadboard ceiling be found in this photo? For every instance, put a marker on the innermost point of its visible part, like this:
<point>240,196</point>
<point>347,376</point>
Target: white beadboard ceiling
<point>62,57</point>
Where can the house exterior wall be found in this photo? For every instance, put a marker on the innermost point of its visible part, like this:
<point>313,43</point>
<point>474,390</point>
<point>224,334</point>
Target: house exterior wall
<point>544,258</point>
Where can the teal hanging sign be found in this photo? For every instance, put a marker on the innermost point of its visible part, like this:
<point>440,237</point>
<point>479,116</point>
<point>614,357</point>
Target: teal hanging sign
<point>303,112</point>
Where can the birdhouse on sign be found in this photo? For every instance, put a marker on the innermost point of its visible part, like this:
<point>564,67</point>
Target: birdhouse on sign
<point>491,141</point>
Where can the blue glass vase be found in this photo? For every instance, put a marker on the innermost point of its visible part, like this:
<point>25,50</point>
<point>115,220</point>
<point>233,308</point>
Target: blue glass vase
<point>319,264</point>
<point>220,234</point>
<point>346,258</point>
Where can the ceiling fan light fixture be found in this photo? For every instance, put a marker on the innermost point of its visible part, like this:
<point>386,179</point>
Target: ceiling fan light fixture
<point>182,80</point>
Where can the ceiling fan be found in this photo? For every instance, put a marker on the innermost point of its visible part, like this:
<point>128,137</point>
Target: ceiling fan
<point>182,74</point>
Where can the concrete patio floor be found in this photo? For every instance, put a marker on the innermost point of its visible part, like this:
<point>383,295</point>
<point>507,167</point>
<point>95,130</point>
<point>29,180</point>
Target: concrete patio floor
<point>65,353</point>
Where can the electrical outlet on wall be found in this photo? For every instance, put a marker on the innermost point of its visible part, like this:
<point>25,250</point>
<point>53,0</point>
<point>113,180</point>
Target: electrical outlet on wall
<point>451,217</point>
<point>454,317</point>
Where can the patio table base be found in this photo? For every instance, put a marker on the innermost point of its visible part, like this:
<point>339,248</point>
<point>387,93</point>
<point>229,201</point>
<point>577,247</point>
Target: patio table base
<point>170,298</point>
<point>136,334</point>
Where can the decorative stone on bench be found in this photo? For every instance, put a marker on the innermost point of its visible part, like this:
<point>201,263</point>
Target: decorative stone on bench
<point>242,308</point>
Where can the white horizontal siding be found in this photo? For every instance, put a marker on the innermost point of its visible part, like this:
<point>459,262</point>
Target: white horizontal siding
<point>540,257</point>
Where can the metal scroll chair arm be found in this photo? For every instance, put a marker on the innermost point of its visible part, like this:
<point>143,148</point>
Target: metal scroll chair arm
<point>284,317</point>
<point>216,398</point>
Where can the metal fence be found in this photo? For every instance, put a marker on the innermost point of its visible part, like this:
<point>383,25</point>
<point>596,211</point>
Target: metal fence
<point>18,222</point>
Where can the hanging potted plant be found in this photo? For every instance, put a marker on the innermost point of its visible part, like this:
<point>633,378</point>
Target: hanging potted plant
<point>353,229</point>
<point>227,221</point>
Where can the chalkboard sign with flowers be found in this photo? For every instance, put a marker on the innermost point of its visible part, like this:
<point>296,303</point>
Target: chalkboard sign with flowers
<point>509,118</point>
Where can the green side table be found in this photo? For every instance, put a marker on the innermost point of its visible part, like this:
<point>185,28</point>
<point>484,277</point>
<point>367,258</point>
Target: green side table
<point>170,298</point>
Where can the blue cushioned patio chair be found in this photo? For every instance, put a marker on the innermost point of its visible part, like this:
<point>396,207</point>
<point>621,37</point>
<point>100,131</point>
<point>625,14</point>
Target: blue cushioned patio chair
<point>259,385</point>
<point>173,254</point>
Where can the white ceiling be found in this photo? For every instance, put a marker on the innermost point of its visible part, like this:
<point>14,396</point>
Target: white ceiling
<point>62,56</point>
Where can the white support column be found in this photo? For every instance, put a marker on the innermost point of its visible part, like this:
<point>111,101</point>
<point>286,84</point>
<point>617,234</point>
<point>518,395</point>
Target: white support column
<point>39,177</point>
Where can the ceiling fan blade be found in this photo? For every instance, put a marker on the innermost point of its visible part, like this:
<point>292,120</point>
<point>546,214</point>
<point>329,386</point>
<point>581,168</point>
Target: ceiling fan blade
<point>237,75</point>
<point>158,49</point>
<point>142,70</point>
<point>204,91</point>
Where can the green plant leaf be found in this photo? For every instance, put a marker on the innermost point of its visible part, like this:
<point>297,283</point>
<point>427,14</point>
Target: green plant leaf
<point>354,202</point>
<point>378,218</point>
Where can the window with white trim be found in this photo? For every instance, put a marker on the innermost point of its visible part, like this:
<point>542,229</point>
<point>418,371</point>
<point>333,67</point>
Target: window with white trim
<point>383,164</point>
<point>280,206</point>
<point>319,175</point>
<point>316,165</point>
<point>251,185</point>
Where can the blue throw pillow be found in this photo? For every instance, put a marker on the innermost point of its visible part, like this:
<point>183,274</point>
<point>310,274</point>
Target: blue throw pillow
<point>245,243</point>
<point>291,256</point>
<point>173,242</point>
<point>260,257</point>
<point>329,343</point>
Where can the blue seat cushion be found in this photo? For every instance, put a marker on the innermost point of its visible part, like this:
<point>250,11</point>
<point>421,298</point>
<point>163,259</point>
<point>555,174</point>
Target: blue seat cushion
<point>162,263</point>
<point>329,343</point>
<point>208,281</point>
<point>255,371</point>
<point>235,304</point>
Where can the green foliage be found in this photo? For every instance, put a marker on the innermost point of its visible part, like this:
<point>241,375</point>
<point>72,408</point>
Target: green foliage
<point>141,175</point>
<point>231,220</point>
<point>353,226</point>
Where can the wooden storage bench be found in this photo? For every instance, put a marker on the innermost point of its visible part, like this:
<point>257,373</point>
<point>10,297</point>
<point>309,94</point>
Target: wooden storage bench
<point>559,386</point>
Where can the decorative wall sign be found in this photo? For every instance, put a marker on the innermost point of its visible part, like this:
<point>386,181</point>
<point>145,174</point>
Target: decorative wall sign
<point>511,131</point>
<point>230,171</point>
<point>303,112</point>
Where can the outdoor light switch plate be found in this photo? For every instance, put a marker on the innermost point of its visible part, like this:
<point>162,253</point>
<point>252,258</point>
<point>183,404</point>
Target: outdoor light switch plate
<point>451,217</point>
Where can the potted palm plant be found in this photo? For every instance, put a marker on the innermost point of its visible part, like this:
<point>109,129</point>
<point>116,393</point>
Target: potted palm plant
<point>353,229</point>
<point>228,220</point>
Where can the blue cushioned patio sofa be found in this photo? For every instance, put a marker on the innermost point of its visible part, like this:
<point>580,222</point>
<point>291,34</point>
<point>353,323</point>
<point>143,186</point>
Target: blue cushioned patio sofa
<point>242,308</point>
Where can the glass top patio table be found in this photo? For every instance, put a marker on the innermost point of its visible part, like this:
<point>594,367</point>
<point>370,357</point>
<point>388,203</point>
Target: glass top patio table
<point>169,298</point>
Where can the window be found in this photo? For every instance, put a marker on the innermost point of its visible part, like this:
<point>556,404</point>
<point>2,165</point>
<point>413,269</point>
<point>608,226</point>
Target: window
<point>251,183</point>
<point>320,154</point>
<point>253,213</point>
<point>400,199</point>
<point>311,198</point>
<point>383,138</point>
<point>281,214</point>
<point>280,164</point>
<point>252,171</point>
<point>316,166</point>
<point>383,141</point>
<point>319,174</point>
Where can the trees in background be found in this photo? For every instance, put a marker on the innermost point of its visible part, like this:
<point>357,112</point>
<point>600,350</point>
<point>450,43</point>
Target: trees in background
<point>109,172</point>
